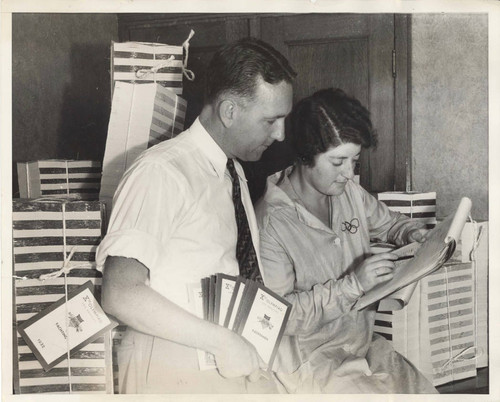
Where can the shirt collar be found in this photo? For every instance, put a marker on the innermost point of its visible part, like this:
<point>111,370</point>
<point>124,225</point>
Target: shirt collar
<point>206,144</point>
<point>280,192</point>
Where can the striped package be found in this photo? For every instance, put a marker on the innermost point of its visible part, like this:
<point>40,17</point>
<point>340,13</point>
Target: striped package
<point>447,305</point>
<point>145,62</point>
<point>436,331</point>
<point>59,178</point>
<point>43,231</point>
<point>474,249</point>
<point>418,206</point>
<point>142,115</point>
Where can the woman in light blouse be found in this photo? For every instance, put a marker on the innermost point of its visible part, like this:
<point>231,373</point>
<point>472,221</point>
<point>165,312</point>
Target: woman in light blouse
<point>315,225</point>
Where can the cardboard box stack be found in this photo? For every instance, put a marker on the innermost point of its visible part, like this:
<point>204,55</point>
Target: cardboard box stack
<point>42,232</point>
<point>418,206</point>
<point>59,179</point>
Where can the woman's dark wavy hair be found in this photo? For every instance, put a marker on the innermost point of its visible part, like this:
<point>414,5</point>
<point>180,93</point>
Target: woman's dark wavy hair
<point>328,118</point>
<point>236,66</point>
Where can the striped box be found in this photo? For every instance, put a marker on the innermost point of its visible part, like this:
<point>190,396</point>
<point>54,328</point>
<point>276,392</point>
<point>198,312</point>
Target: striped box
<point>42,231</point>
<point>137,62</point>
<point>142,115</point>
<point>59,179</point>
<point>418,206</point>
<point>436,331</point>
<point>447,300</point>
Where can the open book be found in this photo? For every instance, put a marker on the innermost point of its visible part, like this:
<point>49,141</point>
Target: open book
<point>429,256</point>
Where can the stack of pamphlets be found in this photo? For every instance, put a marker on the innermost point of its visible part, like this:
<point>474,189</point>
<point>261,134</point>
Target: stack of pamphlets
<point>246,307</point>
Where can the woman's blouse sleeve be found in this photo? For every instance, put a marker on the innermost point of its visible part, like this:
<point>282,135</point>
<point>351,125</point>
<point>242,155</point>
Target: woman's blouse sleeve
<point>311,309</point>
<point>386,225</point>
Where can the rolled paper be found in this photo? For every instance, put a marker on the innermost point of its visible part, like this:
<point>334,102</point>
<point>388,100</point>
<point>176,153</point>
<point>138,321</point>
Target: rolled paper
<point>458,222</point>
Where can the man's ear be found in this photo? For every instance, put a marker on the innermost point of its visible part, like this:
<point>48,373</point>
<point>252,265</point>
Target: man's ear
<point>227,112</point>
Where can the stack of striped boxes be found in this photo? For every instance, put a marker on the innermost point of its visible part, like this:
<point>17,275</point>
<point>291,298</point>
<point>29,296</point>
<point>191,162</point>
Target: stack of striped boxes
<point>146,107</point>
<point>473,249</point>
<point>59,178</point>
<point>436,330</point>
<point>420,207</point>
<point>42,231</point>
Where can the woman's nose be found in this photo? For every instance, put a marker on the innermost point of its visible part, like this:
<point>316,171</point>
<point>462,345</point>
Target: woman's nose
<point>348,169</point>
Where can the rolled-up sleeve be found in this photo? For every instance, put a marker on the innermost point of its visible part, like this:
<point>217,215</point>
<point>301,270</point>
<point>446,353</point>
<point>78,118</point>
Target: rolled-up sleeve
<point>313,308</point>
<point>146,208</point>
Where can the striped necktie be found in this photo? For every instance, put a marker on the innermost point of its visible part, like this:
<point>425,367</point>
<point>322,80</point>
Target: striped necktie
<point>245,251</point>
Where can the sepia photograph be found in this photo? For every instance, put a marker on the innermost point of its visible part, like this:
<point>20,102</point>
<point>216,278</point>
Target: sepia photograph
<point>286,201</point>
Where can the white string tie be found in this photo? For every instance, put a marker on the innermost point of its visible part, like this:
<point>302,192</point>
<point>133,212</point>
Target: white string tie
<point>144,72</point>
<point>187,73</point>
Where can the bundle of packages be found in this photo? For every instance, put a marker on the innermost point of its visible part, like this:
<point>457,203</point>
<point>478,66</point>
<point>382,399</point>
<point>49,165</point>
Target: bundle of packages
<point>59,178</point>
<point>418,206</point>
<point>473,248</point>
<point>435,328</point>
<point>141,116</point>
<point>436,331</point>
<point>54,246</point>
<point>143,62</point>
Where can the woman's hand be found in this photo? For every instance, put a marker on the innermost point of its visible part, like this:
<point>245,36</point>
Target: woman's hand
<point>416,235</point>
<point>375,269</point>
<point>238,358</point>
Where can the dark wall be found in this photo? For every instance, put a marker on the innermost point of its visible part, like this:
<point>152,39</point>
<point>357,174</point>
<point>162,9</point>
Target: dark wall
<point>61,96</point>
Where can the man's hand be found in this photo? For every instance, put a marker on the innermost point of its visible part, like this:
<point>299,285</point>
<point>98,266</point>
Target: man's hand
<point>375,269</point>
<point>237,358</point>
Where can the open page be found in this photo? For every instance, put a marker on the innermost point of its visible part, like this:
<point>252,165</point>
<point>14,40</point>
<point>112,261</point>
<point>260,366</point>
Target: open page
<point>431,255</point>
<point>400,298</point>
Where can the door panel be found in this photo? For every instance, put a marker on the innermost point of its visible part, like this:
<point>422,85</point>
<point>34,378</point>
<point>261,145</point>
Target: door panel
<point>354,53</point>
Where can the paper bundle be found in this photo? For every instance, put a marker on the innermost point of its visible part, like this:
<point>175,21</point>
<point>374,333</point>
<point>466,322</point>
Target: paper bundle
<point>474,249</point>
<point>141,116</point>
<point>151,63</point>
<point>59,178</point>
<point>418,206</point>
<point>244,306</point>
<point>436,330</point>
<point>42,232</point>
<point>447,306</point>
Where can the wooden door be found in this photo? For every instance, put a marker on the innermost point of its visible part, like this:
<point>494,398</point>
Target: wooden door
<point>351,52</point>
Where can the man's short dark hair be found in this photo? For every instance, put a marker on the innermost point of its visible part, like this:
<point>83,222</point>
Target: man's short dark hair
<point>236,67</point>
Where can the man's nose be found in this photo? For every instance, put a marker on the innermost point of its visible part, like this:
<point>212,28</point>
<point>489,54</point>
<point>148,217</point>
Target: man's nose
<point>279,132</point>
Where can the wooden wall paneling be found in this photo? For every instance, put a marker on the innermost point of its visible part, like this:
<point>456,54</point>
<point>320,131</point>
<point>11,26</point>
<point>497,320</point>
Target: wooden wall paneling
<point>381,103</point>
<point>402,103</point>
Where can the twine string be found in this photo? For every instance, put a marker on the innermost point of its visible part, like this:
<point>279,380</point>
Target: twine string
<point>187,73</point>
<point>145,72</point>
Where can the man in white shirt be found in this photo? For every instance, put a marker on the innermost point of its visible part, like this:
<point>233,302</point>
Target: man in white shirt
<point>173,223</point>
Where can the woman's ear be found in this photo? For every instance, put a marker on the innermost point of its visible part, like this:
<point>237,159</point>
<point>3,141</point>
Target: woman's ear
<point>227,112</point>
